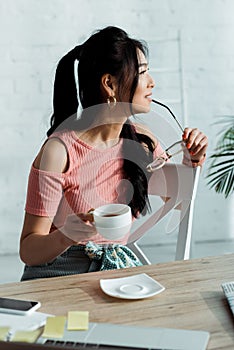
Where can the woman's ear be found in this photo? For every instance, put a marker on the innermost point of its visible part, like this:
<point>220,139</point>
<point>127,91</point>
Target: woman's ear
<point>108,84</point>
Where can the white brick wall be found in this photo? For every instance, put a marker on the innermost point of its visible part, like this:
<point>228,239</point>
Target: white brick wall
<point>35,34</point>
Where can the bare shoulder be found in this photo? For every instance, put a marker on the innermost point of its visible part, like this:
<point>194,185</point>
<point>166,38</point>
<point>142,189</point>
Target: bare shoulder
<point>144,129</point>
<point>52,156</point>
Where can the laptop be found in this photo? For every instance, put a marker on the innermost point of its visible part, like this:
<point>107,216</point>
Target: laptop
<point>106,336</point>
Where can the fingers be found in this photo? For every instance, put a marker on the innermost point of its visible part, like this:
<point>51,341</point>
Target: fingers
<point>83,222</point>
<point>86,217</point>
<point>78,228</point>
<point>196,142</point>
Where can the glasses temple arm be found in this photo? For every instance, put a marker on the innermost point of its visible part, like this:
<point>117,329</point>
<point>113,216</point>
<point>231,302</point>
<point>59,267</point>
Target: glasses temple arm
<point>165,106</point>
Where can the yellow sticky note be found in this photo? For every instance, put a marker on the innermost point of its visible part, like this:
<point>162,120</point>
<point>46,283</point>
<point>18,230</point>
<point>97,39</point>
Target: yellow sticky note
<point>3,332</point>
<point>26,336</point>
<point>78,320</point>
<point>54,327</point>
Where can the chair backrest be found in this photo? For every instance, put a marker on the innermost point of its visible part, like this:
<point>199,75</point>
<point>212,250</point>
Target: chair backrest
<point>177,184</point>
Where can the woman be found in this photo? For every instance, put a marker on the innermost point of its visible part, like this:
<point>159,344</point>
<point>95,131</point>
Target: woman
<point>92,160</point>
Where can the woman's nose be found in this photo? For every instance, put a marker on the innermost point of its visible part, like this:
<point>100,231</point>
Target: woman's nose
<point>151,82</point>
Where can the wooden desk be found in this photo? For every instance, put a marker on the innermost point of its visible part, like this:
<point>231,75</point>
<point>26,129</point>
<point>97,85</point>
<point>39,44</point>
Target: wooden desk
<point>193,298</point>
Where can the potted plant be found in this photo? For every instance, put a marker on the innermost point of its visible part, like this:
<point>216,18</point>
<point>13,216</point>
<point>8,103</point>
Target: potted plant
<point>221,168</point>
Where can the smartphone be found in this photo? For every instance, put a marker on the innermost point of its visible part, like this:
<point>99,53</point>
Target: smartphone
<point>18,307</point>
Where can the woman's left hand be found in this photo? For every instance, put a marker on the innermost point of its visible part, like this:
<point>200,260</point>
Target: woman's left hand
<point>196,143</point>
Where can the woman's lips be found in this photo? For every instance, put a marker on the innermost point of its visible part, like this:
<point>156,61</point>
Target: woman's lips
<point>149,97</point>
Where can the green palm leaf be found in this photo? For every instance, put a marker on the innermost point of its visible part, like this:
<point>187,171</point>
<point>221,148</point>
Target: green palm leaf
<point>221,169</point>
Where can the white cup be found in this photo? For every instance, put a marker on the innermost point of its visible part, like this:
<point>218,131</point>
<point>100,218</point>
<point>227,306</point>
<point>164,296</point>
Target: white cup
<point>113,221</point>
<point>114,233</point>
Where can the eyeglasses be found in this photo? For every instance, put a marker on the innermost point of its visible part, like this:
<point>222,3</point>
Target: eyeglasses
<point>171,151</point>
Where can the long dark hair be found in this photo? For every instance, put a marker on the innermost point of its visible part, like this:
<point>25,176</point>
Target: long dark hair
<point>112,51</point>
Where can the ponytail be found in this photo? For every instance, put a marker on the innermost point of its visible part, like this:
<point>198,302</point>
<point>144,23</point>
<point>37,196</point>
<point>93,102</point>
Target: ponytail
<point>65,101</point>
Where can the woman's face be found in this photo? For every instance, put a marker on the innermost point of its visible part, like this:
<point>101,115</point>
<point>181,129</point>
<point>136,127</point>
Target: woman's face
<point>143,94</point>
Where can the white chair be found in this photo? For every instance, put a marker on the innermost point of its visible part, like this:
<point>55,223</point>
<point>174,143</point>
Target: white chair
<point>178,183</point>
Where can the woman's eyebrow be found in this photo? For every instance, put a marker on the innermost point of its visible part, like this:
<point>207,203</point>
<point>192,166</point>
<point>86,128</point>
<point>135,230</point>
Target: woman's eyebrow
<point>143,64</point>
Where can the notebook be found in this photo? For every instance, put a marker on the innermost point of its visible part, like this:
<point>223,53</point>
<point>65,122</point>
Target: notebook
<point>118,337</point>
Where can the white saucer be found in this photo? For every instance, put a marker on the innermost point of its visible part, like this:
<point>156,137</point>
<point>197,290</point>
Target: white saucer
<point>133,287</point>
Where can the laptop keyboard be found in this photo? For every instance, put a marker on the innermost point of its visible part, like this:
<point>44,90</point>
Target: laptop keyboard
<point>77,345</point>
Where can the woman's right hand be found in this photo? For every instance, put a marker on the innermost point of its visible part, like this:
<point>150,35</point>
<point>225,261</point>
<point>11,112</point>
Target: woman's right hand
<point>78,227</point>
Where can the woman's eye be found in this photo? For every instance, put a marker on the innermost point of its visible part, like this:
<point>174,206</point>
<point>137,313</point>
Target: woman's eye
<point>144,71</point>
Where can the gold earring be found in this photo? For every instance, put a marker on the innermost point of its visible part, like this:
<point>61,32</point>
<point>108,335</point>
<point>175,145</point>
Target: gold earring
<point>111,100</point>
